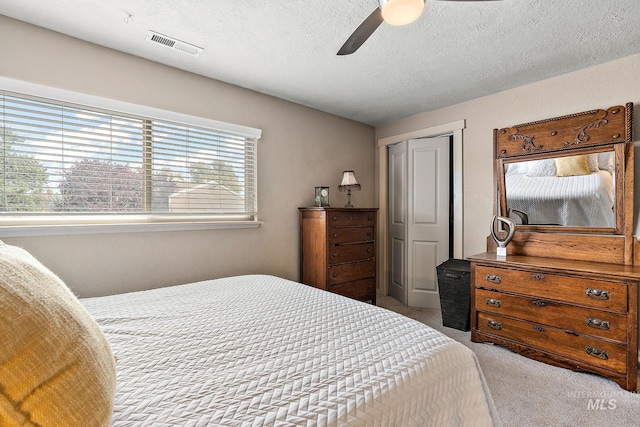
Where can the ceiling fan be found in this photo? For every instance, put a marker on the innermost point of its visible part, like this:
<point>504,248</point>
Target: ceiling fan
<point>393,12</point>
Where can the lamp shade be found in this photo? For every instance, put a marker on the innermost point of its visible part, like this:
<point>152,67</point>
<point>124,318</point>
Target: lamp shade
<point>401,12</point>
<point>348,178</point>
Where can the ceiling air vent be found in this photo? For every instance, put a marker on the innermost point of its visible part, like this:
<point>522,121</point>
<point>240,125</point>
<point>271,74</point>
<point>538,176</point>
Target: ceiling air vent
<point>175,44</point>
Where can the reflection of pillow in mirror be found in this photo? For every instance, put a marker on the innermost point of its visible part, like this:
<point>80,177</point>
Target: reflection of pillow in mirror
<point>545,167</point>
<point>514,168</point>
<point>605,161</point>
<point>572,165</point>
<point>593,162</point>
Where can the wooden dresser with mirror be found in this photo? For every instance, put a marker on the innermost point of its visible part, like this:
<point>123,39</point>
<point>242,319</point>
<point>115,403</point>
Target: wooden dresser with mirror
<point>566,293</point>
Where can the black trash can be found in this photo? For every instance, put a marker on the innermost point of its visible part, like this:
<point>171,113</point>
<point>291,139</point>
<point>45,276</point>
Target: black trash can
<point>454,284</point>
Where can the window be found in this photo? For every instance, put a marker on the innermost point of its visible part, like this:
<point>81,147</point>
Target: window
<point>65,161</point>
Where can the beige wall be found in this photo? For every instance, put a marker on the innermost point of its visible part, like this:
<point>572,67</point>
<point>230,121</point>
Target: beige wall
<point>301,148</point>
<point>602,86</point>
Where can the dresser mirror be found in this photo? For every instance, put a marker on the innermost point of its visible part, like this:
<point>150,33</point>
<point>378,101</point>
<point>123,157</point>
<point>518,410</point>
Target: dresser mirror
<point>575,189</point>
<point>570,174</point>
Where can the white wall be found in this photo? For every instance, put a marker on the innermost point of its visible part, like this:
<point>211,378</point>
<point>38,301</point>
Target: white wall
<point>301,148</point>
<point>614,83</point>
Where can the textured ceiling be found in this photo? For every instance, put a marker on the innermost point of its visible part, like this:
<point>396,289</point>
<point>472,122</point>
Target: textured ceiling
<point>287,48</point>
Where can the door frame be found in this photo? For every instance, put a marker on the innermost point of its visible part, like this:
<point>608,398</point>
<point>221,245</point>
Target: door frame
<point>452,128</point>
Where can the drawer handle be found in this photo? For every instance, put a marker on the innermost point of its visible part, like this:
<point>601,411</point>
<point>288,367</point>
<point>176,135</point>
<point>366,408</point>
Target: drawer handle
<point>596,352</point>
<point>537,276</point>
<point>538,303</point>
<point>335,275</point>
<point>335,235</point>
<point>335,218</point>
<point>334,255</point>
<point>597,293</point>
<point>369,250</point>
<point>495,325</point>
<point>493,302</point>
<point>598,323</point>
<point>538,328</point>
<point>493,278</point>
<point>370,218</point>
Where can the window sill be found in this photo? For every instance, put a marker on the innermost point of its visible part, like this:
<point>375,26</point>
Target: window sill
<point>72,229</point>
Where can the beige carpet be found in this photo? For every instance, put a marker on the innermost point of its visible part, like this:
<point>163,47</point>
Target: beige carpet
<point>529,393</point>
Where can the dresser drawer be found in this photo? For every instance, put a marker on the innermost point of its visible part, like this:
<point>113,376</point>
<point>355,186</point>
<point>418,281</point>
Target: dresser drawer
<point>589,321</point>
<point>578,347</point>
<point>588,292</point>
<point>349,272</point>
<point>350,235</point>
<point>346,218</point>
<point>349,253</point>
<point>363,290</point>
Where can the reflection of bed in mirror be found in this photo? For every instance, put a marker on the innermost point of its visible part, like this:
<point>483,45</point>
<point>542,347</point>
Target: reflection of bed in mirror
<point>577,191</point>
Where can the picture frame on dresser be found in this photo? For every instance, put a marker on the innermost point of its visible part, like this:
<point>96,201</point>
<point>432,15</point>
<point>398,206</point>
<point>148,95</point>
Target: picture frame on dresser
<point>566,293</point>
<point>338,250</point>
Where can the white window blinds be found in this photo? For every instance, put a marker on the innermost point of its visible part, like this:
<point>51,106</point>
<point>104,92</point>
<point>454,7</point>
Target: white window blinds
<point>58,158</point>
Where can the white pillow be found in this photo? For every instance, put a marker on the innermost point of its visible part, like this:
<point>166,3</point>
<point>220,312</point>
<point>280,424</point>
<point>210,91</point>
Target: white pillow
<point>546,167</point>
<point>515,168</point>
<point>606,161</point>
<point>56,367</point>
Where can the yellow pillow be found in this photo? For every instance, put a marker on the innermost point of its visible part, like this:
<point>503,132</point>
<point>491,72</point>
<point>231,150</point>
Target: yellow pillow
<point>572,165</point>
<point>56,367</point>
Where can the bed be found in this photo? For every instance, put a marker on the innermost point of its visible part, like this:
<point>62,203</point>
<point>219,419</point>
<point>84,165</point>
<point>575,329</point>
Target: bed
<point>247,351</point>
<point>583,199</point>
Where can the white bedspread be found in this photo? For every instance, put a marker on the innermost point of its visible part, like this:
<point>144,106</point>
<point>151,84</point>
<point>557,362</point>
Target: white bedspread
<point>259,350</point>
<point>579,201</point>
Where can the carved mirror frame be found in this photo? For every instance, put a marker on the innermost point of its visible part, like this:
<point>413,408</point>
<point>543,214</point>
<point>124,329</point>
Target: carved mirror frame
<point>593,131</point>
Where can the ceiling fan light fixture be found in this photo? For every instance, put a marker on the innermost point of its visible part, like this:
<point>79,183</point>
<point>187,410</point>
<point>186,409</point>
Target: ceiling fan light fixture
<point>401,12</point>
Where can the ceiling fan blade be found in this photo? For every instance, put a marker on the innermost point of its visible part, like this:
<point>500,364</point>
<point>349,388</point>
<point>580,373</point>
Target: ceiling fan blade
<point>362,33</point>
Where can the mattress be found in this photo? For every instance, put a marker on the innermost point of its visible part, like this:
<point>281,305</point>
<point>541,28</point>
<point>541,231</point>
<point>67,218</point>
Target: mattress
<point>258,350</point>
<point>579,201</point>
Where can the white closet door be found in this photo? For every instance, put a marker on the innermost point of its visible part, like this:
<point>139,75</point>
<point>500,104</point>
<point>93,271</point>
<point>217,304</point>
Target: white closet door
<point>397,227</point>
<point>419,219</point>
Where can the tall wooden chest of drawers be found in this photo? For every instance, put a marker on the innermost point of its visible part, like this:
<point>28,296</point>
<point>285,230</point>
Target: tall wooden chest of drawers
<point>574,314</point>
<point>338,251</point>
